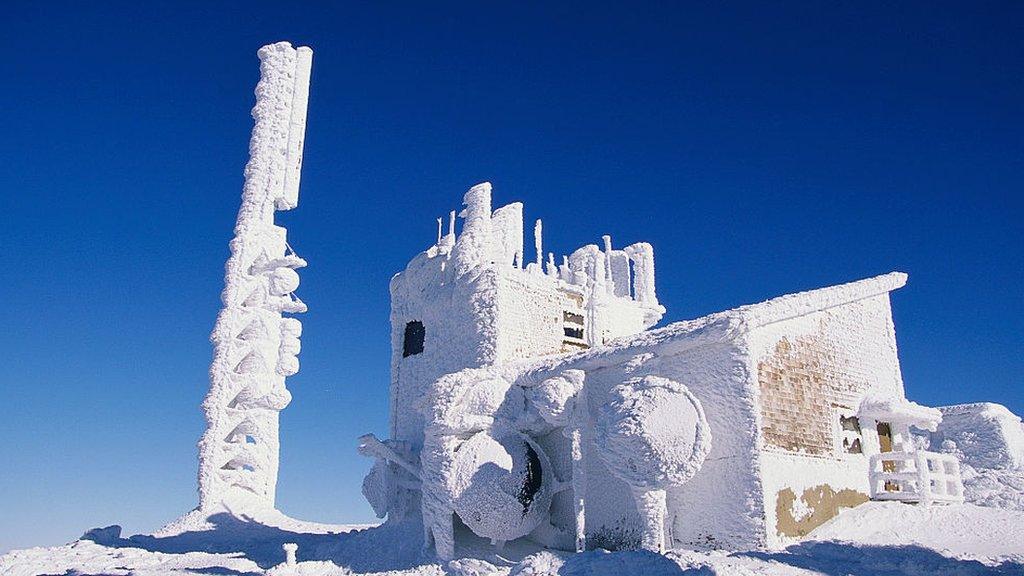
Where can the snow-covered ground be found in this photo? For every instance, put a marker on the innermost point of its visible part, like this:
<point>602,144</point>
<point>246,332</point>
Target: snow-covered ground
<point>984,536</point>
<point>964,530</point>
<point>875,538</point>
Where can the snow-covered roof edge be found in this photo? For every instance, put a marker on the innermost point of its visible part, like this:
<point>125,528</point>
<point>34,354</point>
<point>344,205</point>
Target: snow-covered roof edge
<point>976,408</point>
<point>810,301</point>
<point>745,318</point>
<point>732,323</point>
<point>898,409</point>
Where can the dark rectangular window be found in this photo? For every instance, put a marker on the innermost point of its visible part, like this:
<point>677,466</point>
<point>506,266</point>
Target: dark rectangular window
<point>414,333</point>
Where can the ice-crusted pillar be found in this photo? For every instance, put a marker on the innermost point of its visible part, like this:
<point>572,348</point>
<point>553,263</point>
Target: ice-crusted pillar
<point>642,256</point>
<point>652,507</point>
<point>507,230</point>
<point>473,247</point>
<point>254,344</point>
<point>538,242</point>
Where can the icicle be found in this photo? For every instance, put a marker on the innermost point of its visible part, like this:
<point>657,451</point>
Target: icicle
<point>439,231</point>
<point>551,270</point>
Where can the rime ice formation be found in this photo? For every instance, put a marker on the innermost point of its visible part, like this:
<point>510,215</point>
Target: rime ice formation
<point>534,406</point>
<point>924,477</point>
<point>895,409</point>
<point>652,434</point>
<point>988,440</point>
<point>474,302</point>
<point>531,400</point>
<point>985,435</point>
<point>255,345</point>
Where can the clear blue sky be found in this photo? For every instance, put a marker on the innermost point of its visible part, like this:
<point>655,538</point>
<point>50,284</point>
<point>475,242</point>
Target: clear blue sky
<point>761,150</point>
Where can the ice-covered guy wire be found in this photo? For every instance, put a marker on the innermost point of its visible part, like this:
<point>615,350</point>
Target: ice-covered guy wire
<point>254,344</point>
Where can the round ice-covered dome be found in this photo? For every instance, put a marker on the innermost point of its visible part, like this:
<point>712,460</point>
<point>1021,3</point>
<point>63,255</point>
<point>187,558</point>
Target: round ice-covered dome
<point>652,433</point>
<point>501,486</point>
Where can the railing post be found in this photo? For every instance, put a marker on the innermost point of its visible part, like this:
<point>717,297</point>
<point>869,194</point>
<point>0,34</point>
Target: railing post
<point>924,480</point>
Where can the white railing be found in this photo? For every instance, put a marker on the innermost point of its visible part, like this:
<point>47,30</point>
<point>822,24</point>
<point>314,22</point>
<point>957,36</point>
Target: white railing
<point>925,477</point>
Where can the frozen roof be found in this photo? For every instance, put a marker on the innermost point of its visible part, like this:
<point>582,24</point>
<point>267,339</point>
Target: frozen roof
<point>730,324</point>
<point>810,301</point>
<point>896,409</point>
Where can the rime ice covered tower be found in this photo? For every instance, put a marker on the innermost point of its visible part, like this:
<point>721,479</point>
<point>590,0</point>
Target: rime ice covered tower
<point>255,344</point>
<point>473,300</point>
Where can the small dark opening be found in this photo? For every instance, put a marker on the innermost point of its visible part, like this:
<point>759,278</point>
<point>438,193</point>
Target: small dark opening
<point>414,333</point>
<point>574,332</point>
<point>532,480</point>
<point>850,423</point>
<point>572,317</point>
<point>852,448</point>
<point>851,432</point>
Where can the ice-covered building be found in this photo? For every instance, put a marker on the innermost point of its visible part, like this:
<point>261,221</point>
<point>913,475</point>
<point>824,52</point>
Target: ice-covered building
<point>536,402</point>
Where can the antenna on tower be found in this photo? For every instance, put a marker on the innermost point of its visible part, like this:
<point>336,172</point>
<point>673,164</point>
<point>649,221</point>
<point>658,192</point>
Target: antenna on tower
<point>538,243</point>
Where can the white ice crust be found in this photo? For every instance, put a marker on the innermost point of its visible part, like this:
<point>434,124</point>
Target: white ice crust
<point>604,402</point>
<point>896,409</point>
<point>653,434</point>
<point>255,346</point>
<point>498,485</point>
<point>986,435</point>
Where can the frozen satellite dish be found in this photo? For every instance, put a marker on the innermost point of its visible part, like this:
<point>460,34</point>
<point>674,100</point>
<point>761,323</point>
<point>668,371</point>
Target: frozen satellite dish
<point>502,486</point>
<point>652,433</point>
